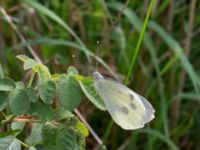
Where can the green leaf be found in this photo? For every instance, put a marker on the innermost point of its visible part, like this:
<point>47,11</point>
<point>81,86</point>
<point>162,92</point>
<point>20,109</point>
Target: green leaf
<point>5,142</point>
<point>66,139</point>
<point>42,111</point>
<point>72,71</point>
<point>43,72</point>
<point>6,84</point>
<point>32,95</point>
<point>35,136</point>
<point>47,91</point>
<point>87,87</point>
<point>15,145</point>
<point>82,128</point>
<point>28,62</point>
<point>19,85</point>
<point>63,114</point>
<point>3,100</point>
<point>32,148</point>
<point>18,102</point>
<point>17,125</point>
<point>69,92</point>
<point>9,133</point>
<point>49,132</point>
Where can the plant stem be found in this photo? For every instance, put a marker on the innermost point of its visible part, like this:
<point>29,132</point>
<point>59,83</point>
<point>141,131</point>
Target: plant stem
<point>135,53</point>
<point>31,78</point>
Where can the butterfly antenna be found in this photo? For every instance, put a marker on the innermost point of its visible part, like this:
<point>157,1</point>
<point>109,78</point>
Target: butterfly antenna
<point>97,54</point>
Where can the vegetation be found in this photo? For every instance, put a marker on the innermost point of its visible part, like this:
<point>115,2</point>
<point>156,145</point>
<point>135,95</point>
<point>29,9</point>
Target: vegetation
<point>48,51</point>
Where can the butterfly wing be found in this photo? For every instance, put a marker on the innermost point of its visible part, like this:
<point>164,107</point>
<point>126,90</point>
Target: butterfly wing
<point>127,108</point>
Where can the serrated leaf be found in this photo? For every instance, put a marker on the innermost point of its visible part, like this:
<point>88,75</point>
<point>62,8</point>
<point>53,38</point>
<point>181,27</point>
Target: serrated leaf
<point>87,87</point>
<point>43,112</point>
<point>15,145</point>
<point>35,136</point>
<point>66,139</point>
<point>49,132</point>
<point>19,85</point>
<point>72,70</point>
<point>5,142</point>
<point>18,102</point>
<point>6,84</point>
<point>69,92</point>
<point>32,95</point>
<point>47,91</point>
<point>3,100</point>
<point>63,114</point>
<point>28,62</point>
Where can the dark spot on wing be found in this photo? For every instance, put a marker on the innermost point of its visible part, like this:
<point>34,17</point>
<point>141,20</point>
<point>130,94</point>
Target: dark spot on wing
<point>132,106</point>
<point>119,92</point>
<point>124,110</point>
<point>131,96</point>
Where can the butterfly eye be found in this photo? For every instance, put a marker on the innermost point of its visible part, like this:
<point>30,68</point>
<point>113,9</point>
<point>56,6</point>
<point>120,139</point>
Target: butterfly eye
<point>124,110</point>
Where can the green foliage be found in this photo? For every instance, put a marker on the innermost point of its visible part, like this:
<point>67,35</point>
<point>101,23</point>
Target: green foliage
<point>6,84</point>
<point>72,71</point>
<point>66,139</point>
<point>5,142</point>
<point>35,136</point>
<point>28,62</point>
<point>42,111</point>
<point>69,92</point>
<point>18,102</point>
<point>47,91</point>
<point>3,100</point>
<point>55,127</point>
<point>32,95</point>
<point>88,89</point>
<point>49,134</point>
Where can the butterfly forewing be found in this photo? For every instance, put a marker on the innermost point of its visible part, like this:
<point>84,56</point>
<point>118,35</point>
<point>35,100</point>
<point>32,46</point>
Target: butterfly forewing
<point>127,108</point>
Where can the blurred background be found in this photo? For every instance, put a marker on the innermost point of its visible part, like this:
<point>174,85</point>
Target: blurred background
<point>62,33</point>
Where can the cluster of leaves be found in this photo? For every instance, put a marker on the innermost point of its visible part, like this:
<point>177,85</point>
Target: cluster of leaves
<point>44,106</point>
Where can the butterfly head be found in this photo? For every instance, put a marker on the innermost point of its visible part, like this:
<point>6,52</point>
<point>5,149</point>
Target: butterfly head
<point>97,76</point>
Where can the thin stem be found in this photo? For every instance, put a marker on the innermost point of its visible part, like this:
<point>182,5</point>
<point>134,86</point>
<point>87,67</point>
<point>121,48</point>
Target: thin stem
<point>24,144</point>
<point>31,78</point>
<point>105,137</point>
<point>135,53</point>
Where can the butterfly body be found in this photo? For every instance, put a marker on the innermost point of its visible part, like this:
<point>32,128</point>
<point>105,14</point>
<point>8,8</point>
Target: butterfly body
<point>127,108</point>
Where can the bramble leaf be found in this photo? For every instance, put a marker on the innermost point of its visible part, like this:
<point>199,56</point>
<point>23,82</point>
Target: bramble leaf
<point>72,70</point>
<point>18,102</point>
<point>28,62</point>
<point>69,92</point>
<point>32,95</point>
<point>6,84</point>
<point>47,91</point>
<point>3,100</point>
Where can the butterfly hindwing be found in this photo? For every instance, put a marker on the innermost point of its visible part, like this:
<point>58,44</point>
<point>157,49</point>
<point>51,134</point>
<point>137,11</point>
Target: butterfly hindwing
<point>127,108</point>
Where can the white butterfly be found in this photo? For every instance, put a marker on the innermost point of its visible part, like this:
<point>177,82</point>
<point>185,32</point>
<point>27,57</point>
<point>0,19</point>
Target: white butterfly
<point>128,109</point>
